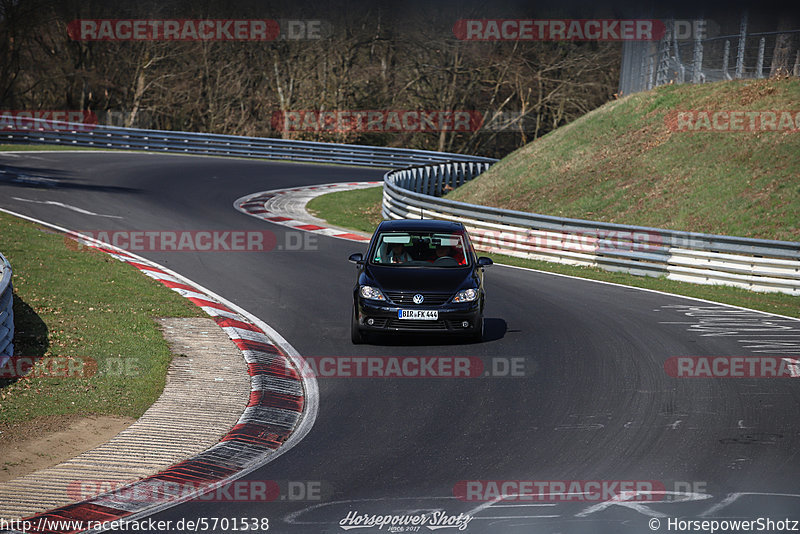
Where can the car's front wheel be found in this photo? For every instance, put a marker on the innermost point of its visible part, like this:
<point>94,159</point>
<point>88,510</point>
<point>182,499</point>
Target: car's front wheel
<point>356,335</point>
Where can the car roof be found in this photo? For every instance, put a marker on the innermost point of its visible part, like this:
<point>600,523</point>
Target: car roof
<point>416,225</point>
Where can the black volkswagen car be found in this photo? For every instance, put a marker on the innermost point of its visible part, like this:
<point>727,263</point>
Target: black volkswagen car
<point>419,276</point>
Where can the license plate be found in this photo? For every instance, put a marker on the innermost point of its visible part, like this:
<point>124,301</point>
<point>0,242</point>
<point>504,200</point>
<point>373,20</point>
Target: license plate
<point>425,315</point>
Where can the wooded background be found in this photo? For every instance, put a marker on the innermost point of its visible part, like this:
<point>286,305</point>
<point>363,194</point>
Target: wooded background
<point>395,56</point>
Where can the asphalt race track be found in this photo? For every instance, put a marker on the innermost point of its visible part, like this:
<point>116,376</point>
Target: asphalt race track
<point>591,402</point>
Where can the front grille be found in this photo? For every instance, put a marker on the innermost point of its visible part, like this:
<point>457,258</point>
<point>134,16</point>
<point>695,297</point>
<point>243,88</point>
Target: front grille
<point>406,298</point>
<point>413,324</point>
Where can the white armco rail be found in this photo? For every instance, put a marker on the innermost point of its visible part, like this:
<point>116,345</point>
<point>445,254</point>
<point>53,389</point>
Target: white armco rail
<point>756,264</point>
<point>415,192</point>
<point>6,311</point>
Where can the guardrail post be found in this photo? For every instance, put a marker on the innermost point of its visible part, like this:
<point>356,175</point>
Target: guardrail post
<point>449,181</point>
<point>431,176</point>
<point>460,173</point>
<point>417,180</point>
<point>439,179</point>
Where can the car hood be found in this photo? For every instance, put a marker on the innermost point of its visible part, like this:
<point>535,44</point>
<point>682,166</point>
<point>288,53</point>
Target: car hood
<point>445,280</point>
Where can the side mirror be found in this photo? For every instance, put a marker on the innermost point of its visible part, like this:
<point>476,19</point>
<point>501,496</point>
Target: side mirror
<point>357,258</point>
<point>483,261</point>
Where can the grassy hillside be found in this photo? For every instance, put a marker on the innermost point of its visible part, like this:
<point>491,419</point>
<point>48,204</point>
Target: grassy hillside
<point>622,163</point>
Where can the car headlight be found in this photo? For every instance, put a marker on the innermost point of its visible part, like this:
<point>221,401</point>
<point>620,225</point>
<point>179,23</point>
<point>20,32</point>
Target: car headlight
<point>369,292</point>
<point>466,295</point>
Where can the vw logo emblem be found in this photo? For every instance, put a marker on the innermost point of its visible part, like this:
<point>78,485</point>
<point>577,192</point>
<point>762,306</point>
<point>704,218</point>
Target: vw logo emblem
<point>418,299</point>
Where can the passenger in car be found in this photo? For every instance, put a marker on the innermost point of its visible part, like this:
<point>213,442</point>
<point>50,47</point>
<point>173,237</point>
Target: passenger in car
<point>398,254</point>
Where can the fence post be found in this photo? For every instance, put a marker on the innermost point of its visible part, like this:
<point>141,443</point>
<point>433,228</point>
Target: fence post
<point>663,56</point>
<point>760,62</point>
<point>725,59</point>
<point>697,60</point>
<point>677,51</point>
<point>740,51</point>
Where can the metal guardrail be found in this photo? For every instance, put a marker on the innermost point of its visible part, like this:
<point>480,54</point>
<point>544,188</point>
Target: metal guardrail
<point>6,311</point>
<point>41,131</point>
<point>756,264</point>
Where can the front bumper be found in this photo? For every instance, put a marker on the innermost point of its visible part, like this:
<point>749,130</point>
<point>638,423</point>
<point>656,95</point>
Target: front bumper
<point>379,316</point>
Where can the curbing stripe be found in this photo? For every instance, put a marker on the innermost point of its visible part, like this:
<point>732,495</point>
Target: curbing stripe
<point>255,206</point>
<point>243,334</point>
<point>216,312</point>
<point>272,416</point>
<point>235,323</point>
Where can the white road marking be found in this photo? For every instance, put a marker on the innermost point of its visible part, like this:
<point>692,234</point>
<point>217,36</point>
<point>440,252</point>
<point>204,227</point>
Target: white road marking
<point>733,497</point>
<point>67,206</point>
<point>20,154</point>
<point>521,505</point>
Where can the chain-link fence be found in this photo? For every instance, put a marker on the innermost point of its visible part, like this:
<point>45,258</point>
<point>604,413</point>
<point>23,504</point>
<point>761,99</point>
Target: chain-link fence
<point>701,59</point>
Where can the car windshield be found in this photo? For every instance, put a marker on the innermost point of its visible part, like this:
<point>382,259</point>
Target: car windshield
<point>420,249</point>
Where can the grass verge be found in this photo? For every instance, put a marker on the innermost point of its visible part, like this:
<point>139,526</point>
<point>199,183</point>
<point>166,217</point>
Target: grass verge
<point>628,162</point>
<point>344,210</point>
<point>86,319</point>
<point>358,209</point>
